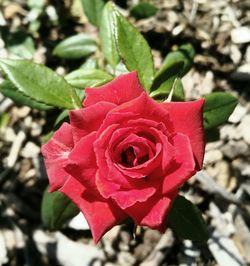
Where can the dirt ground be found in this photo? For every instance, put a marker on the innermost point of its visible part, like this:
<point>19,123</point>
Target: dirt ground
<point>220,32</point>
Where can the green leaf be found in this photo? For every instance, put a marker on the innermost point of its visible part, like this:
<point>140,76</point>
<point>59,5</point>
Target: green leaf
<point>218,108</point>
<point>63,117</point>
<point>74,47</point>
<point>45,138</point>
<point>57,209</point>
<point>143,10</point>
<point>93,10</point>
<point>19,44</point>
<point>163,91</point>
<point>185,54</point>
<point>10,91</point>
<point>107,36</point>
<point>39,4</point>
<point>120,69</point>
<point>90,63</point>
<point>4,119</point>
<point>34,26</point>
<point>133,49</point>
<point>83,78</point>
<point>80,94</point>
<point>40,83</point>
<point>186,220</point>
<point>176,64</point>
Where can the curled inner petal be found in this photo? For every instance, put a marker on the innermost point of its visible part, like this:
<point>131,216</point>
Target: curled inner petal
<point>133,151</point>
<point>128,157</point>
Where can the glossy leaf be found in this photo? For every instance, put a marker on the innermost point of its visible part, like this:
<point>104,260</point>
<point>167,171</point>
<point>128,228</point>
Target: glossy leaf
<point>186,220</point>
<point>93,10</point>
<point>10,91</point>
<point>121,69</point>
<point>19,44</point>
<point>36,4</point>
<point>218,107</point>
<point>176,64</point>
<point>143,10</point>
<point>80,94</point>
<point>45,138</point>
<point>75,47</point>
<point>163,91</point>
<point>40,83</point>
<point>107,35</point>
<point>133,49</point>
<point>185,54</point>
<point>83,78</point>
<point>90,63</point>
<point>57,209</point>
<point>62,117</point>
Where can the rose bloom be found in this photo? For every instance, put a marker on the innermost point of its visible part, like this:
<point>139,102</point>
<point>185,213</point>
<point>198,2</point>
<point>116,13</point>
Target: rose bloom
<point>124,155</point>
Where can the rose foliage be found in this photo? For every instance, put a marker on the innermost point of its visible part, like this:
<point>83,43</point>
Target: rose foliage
<point>124,155</point>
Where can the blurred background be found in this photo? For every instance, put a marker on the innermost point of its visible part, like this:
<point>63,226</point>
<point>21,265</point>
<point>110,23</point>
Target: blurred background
<point>220,33</point>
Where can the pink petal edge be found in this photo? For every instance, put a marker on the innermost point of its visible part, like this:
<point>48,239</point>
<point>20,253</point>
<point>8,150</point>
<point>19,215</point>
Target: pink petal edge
<point>100,215</point>
<point>55,154</point>
<point>122,89</point>
<point>187,118</point>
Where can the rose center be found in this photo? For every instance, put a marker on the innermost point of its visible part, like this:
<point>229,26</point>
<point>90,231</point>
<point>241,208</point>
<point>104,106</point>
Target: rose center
<point>129,158</point>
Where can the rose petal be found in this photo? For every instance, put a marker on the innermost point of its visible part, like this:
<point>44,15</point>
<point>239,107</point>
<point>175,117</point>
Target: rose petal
<point>184,166</point>
<point>141,147</point>
<point>141,127</point>
<point>154,167</point>
<point>82,163</point>
<point>153,111</point>
<point>100,215</point>
<point>188,119</point>
<point>105,186</point>
<point>109,181</point>
<point>55,154</point>
<point>125,128</point>
<point>109,178</point>
<point>167,151</point>
<point>153,212</point>
<point>140,170</point>
<point>87,120</point>
<point>126,199</point>
<point>122,89</point>
<point>157,214</point>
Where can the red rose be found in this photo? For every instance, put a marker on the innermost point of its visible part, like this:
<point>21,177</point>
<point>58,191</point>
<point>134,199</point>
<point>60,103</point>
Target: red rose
<point>125,155</point>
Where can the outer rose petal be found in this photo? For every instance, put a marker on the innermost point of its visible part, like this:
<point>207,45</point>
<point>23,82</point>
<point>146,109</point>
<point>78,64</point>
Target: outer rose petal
<point>55,154</point>
<point>82,163</point>
<point>122,89</point>
<point>185,164</point>
<point>100,215</point>
<point>187,118</point>
<point>152,212</point>
<point>87,120</point>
